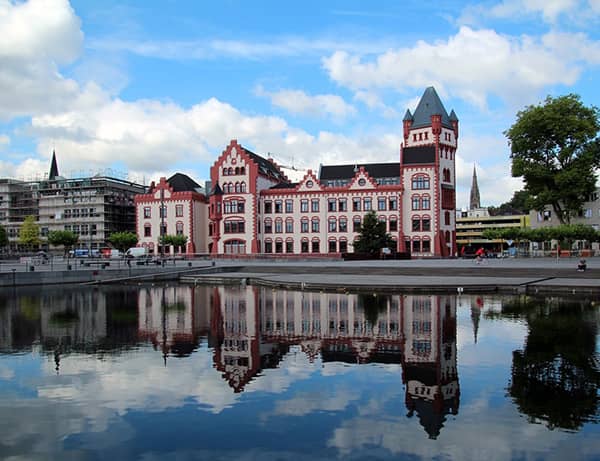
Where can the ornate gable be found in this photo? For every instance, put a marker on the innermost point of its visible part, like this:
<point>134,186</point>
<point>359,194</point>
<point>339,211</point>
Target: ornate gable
<point>310,183</point>
<point>362,180</point>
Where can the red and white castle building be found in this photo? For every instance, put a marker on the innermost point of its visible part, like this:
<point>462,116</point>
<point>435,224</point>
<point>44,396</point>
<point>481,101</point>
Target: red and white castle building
<point>253,208</point>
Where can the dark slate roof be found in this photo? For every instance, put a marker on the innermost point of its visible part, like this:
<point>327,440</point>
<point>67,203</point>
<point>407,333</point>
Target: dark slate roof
<point>453,117</point>
<point>183,183</point>
<point>418,154</point>
<point>53,168</point>
<point>265,167</point>
<point>375,170</point>
<point>285,185</point>
<point>216,190</point>
<point>407,116</point>
<point>430,104</point>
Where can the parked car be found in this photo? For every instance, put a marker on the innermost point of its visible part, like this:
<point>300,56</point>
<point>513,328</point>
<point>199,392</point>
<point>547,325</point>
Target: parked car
<point>137,252</point>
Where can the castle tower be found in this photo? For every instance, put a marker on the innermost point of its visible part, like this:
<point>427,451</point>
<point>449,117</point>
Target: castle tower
<point>475,201</point>
<point>428,176</point>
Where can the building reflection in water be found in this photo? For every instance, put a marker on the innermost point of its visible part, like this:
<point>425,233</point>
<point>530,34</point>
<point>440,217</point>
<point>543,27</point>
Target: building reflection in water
<point>254,328</point>
<point>251,329</point>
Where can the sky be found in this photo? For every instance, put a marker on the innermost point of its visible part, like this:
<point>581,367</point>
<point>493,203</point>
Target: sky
<point>144,89</point>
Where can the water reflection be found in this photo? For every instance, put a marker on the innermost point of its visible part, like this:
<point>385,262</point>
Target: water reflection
<point>555,377</point>
<point>318,374</point>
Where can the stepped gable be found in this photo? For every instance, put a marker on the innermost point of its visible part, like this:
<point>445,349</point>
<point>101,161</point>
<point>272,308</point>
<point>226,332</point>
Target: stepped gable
<point>374,170</point>
<point>430,104</point>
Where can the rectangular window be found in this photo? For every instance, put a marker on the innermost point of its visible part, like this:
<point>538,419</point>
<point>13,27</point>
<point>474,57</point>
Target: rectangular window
<point>304,247</point>
<point>268,247</point>
<point>315,225</point>
<point>314,205</point>
<point>289,247</point>
<point>278,227</point>
<point>416,203</point>
<point>268,227</point>
<point>315,246</point>
<point>367,204</point>
<point>332,246</point>
<point>278,206</point>
<point>356,225</point>
<point>304,226</point>
<point>331,205</point>
<point>343,204</point>
<point>393,225</point>
<point>332,226</point>
<point>179,211</point>
<point>416,246</point>
<point>278,247</point>
<point>381,204</point>
<point>420,182</point>
<point>416,224</point>
<point>147,231</point>
<point>304,206</point>
<point>268,207</point>
<point>163,211</point>
<point>343,225</point>
<point>426,246</point>
<point>425,204</point>
<point>426,224</point>
<point>343,246</point>
<point>289,206</point>
<point>356,204</point>
<point>289,227</point>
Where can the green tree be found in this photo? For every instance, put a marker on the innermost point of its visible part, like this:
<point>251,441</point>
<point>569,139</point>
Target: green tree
<point>555,149</point>
<point>373,237</point>
<point>29,233</point>
<point>178,241</point>
<point>3,237</point>
<point>64,238</point>
<point>123,240</point>
<point>518,204</point>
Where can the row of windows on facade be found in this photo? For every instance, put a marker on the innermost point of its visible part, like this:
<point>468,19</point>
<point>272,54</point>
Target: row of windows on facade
<point>80,213</point>
<point>163,211</point>
<point>230,171</point>
<point>419,224</point>
<point>546,215</point>
<point>77,229</point>
<point>314,246</point>
<point>393,181</point>
<point>163,229</point>
<point>333,205</point>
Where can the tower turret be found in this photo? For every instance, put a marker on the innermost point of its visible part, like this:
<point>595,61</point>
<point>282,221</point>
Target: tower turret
<point>475,201</point>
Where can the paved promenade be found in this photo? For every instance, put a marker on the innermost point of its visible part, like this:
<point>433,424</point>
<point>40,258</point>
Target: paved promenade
<point>525,275</point>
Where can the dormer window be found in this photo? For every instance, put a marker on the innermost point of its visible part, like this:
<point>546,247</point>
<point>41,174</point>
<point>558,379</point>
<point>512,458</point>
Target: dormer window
<point>362,182</point>
<point>309,184</point>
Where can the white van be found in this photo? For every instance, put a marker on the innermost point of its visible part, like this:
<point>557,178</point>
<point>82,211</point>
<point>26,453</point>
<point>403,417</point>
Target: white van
<point>136,252</point>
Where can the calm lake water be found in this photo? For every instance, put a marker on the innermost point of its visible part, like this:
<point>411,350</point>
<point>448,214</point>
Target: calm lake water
<point>213,372</point>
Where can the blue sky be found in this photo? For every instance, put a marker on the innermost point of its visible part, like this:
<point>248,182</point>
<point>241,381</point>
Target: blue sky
<point>145,89</point>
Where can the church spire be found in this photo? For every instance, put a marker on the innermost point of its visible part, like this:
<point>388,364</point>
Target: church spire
<point>53,168</point>
<point>475,201</point>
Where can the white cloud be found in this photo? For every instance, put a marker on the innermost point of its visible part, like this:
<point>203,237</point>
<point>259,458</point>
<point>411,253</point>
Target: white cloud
<point>550,10</point>
<point>473,65</point>
<point>4,140</point>
<point>36,37</point>
<point>374,102</point>
<point>297,102</point>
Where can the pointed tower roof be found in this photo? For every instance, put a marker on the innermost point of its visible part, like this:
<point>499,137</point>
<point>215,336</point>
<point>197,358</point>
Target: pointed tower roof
<point>430,104</point>
<point>408,116</point>
<point>453,117</point>
<point>475,201</point>
<point>53,168</point>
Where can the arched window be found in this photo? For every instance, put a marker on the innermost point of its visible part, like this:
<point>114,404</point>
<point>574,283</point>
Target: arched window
<point>237,170</point>
<point>237,187</point>
<point>235,246</point>
<point>242,170</point>
<point>242,187</point>
<point>224,171</point>
<point>179,228</point>
<point>425,202</point>
<point>420,181</point>
<point>416,202</point>
<point>230,171</point>
<point>332,224</point>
